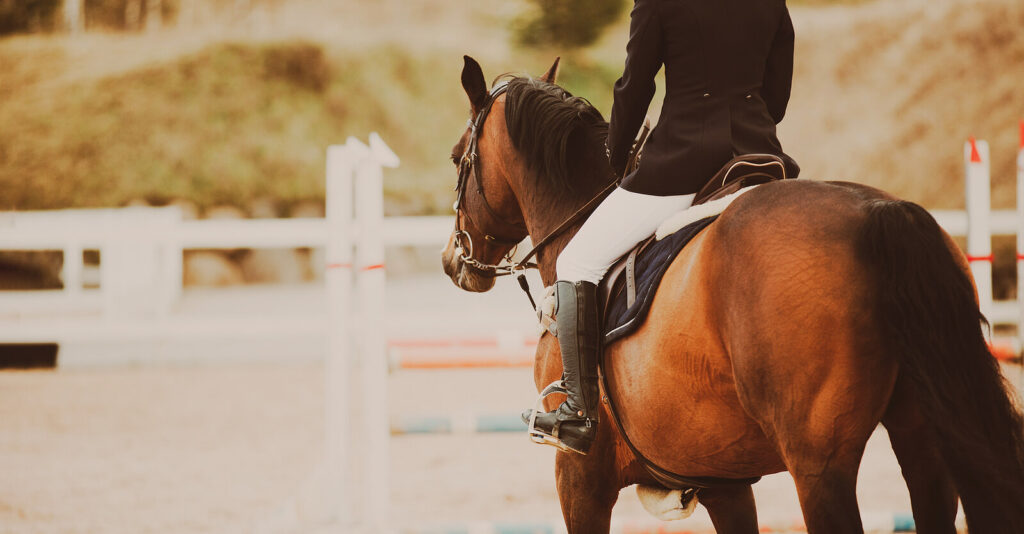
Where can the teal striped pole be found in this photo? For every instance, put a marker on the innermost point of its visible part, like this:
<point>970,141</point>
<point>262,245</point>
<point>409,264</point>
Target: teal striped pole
<point>876,524</point>
<point>458,424</point>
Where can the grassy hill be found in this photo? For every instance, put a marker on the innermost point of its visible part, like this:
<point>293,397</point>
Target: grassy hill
<point>884,93</point>
<point>225,125</point>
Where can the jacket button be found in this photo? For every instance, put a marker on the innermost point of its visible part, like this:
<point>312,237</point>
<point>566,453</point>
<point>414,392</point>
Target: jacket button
<point>707,95</point>
<point>749,96</point>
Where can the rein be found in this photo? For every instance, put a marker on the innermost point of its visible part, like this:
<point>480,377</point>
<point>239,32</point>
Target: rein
<point>469,167</point>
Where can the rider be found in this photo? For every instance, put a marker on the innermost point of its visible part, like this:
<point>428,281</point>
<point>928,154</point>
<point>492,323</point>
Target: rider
<point>728,72</point>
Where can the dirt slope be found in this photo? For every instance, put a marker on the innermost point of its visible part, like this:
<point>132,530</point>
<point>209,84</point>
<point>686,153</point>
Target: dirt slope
<point>886,94</point>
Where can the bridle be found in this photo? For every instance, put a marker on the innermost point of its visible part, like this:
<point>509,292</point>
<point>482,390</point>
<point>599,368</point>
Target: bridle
<point>469,168</point>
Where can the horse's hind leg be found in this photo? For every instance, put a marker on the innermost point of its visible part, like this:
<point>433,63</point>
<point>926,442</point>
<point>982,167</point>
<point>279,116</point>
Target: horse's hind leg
<point>821,423</point>
<point>932,494</point>
<point>828,498</point>
<point>822,437</point>
<point>732,509</point>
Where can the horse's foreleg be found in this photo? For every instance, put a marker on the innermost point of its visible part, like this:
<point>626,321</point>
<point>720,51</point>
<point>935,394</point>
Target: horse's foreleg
<point>932,494</point>
<point>732,509</point>
<point>587,488</point>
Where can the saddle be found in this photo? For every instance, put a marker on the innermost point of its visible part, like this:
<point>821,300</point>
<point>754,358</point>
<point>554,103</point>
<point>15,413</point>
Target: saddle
<point>620,289</point>
<point>740,172</point>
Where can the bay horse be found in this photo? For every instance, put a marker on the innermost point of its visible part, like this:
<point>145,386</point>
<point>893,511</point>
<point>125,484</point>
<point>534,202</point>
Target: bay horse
<point>781,336</point>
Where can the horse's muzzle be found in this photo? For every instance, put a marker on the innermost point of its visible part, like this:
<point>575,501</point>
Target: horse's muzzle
<point>466,277</point>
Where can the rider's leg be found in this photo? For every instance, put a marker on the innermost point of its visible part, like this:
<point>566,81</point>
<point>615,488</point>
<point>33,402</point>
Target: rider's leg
<point>620,222</point>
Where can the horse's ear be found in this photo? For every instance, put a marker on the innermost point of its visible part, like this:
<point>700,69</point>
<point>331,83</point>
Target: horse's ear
<point>474,84</point>
<point>552,73</point>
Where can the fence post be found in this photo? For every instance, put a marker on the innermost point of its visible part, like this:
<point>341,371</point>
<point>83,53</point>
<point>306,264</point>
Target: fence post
<point>71,271</point>
<point>129,263</point>
<point>1020,237</point>
<point>370,282</point>
<point>337,368</point>
<point>171,258</point>
<point>979,236</point>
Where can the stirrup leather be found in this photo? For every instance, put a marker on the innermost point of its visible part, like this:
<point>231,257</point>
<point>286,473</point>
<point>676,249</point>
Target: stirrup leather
<point>539,436</point>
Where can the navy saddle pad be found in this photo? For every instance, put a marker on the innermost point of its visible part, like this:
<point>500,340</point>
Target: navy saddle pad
<point>651,265</point>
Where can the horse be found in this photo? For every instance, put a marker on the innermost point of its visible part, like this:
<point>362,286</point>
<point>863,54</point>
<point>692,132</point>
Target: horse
<point>780,337</point>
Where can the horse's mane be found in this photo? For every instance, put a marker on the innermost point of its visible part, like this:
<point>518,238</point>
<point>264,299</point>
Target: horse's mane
<point>553,130</point>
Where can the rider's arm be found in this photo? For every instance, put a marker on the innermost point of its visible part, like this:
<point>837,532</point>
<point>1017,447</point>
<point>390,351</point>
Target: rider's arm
<point>778,73</point>
<point>634,90</point>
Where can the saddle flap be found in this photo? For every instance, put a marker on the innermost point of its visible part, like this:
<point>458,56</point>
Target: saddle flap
<point>742,171</point>
<point>621,273</point>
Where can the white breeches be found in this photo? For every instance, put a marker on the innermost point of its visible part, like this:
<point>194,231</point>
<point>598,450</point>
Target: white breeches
<point>621,221</point>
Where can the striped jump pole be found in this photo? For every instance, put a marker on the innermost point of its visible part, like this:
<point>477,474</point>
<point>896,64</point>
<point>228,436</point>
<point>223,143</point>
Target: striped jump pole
<point>504,351</point>
<point>979,235</point>
<point>425,359</point>
<point>458,424</point>
<point>874,523</point>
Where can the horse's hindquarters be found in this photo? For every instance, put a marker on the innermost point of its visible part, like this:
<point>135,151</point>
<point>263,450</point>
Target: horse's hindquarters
<point>759,341</point>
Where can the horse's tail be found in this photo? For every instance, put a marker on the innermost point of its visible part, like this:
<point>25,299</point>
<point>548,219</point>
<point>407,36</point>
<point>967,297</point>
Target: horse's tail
<point>931,322</point>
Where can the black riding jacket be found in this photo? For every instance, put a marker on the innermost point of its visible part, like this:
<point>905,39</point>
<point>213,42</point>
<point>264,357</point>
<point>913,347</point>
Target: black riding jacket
<point>728,72</point>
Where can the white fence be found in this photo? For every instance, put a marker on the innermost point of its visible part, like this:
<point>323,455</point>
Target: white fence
<point>141,253</point>
<point>140,249</point>
<point>141,257</point>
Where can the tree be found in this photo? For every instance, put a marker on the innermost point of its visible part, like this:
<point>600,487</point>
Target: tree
<point>154,14</point>
<point>568,23</point>
<point>27,15</point>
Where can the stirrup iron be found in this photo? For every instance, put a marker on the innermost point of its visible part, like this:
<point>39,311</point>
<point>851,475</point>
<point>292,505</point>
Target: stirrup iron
<point>538,436</point>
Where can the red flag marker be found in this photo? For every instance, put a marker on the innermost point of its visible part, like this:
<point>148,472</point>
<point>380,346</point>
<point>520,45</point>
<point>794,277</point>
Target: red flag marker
<point>975,156</point>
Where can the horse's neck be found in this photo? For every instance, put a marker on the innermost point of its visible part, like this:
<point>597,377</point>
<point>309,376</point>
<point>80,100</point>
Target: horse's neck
<point>546,219</point>
<point>548,256</point>
<point>546,209</point>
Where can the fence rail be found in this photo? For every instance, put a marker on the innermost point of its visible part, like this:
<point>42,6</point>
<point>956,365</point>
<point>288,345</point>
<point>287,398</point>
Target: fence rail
<point>141,248</point>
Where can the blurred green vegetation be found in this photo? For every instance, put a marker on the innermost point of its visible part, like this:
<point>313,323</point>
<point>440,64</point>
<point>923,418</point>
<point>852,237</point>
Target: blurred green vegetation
<point>567,24</point>
<point>237,122</point>
<point>114,14</point>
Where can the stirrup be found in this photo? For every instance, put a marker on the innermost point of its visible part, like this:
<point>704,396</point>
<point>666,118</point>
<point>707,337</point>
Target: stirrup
<point>539,436</point>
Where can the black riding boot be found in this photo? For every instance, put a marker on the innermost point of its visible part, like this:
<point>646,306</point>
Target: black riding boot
<point>573,425</point>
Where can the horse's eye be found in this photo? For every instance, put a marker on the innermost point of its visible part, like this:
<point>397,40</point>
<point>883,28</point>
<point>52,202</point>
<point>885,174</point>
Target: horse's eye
<point>455,159</point>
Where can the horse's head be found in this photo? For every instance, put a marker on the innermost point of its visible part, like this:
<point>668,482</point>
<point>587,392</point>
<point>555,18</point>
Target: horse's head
<point>489,222</point>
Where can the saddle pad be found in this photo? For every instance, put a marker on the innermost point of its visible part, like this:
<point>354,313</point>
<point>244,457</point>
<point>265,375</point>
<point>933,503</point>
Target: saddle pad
<point>712,207</point>
<point>651,265</point>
